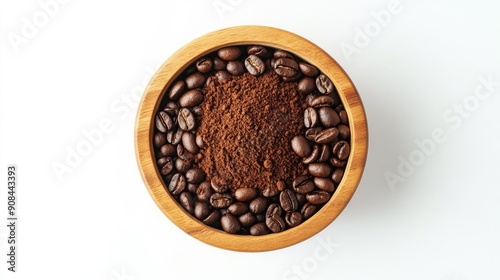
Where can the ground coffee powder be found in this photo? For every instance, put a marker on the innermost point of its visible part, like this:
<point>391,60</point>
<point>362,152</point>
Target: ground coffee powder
<point>247,125</point>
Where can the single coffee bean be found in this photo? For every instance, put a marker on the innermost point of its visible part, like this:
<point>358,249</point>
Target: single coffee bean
<point>293,78</point>
<point>174,137</point>
<point>176,90</point>
<point>344,131</point>
<point>195,175</point>
<point>258,205</point>
<point>337,175</point>
<point>318,197</point>
<point>274,208</point>
<point>254,65</point>
<point>200,142</point>
<point>282,54</point>
<point>306,85</point>
<point>219,184</point>
<point>219,64</point>
<point>238,208</point>
<point>259,229</point>
<point>183,154</point>
<point>191,98</point>
<point>313,156</point>
<point>324,85</point>
<point>259,51</point>
<point>324,153</point>
<point>230,223</point>
<point>288,200</point>
<point>187,202</point>
<point>245,194</point>
<point>177,185</point>
<point>165,165</point>
<point>335,162</point>
<point>328,117</point>
<point>235,67</point>
<point>301,199</point>
<point>270,192</point>
<point>229,53</point>
<point>159,139</point>
<point>302,185</point>
<point>223,76</point>
<point>247,219</point>
<point>286,67</point>
<point>201,210</point>
<point>221,200</point>
<point>308,210</point>
<point>164,122</point>
<point>168,150</point>
<point>322,101</point>
<point>275,223</point>
<point>319,169</point>
<point>188,141</point>
<point>204,65</point>
<point>324,184</point>
<point>341,149</point>
<point>194,80</point>
<point>192,187</point>
<point>172,109</point>
<point>343,117</point>
<point>308,69</point>
<point>212,218</point>
<point>310,117</point>
<point>326,135</point>
<point>182,165</point>
<point>293,219</point>
<point>311,133</point>
<point>204,191</point>
<point>301,146</point>
<point>186,119</point>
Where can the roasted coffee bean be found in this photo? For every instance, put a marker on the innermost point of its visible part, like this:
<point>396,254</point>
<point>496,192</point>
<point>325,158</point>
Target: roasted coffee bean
<point>328,117</point>
<point>326,135</point>
<point>341,149</point>
<point>270,192</point>
<point>195,175</point>
<point>168,150</point>
<point>191,187</point>
<point>176,90</point>
<point>275,223</point>
<point>229,53</point>
<point>159,139</point>
<point>258,205</point>
<point>245,194</point>
<point>172,109</point>
<point>200,142</point>
<point>288,200</point>
<point>308,210</point>
<point>306,85</point>
<point>174,137</point>
<point>182,165</point>
<point>238,208</point>
<point>247,219</point>
<point>337,175</point>
<point>204,65</point>
<point>319,169</point>
<point>219,64</point>
<point>324,153</point>
<point>313,156</point>
<point>301,199</point>
<point>259,51</point>
<point>194,80</point>
<point>310,117</point>
<point>164,122</point>
<point>221,200</point>
<point>301,146</point>
<point>324,184</point>
<point>165,165</point>
<point>188,141</point>
<point>335,162</point>
<point>183,154</point>
<point>274,208</point>
<point>177,185</point>
<point>186,119</point>
<point>322,101</point>
<point>201,210</point>
<point>204,191</point>
<point>308,69</point>
<point>293,78</point>
<point>235,67</point>
<point>303,185</point>
<point>212,218</point>
<point>344,131</point>
<point>324,85</point>
<point>259,229</point>
<point>254,65</point>
<point>187,202</point>
<point>318,197</point>
<point>191,98</point>
<point>219,184</point>
<point>230,223</point>
<point>343,117</point>
<point>223,76</point>
<point>311,133</point>
<point>286,67</point>
<point>282,54</point>
<point>293,219</point>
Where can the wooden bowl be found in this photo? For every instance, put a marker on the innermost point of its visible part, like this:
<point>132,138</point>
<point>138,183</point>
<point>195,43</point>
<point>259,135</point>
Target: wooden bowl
<point>246,35</point>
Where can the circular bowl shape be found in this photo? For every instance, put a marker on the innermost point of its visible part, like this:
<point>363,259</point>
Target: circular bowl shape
<point>273,38</point>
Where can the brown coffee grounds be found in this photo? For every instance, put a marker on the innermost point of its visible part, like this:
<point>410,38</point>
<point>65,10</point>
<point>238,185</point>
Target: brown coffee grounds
<point>247,125</point>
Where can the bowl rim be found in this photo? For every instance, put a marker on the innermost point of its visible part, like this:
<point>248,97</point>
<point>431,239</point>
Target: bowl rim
<point>249,35</point>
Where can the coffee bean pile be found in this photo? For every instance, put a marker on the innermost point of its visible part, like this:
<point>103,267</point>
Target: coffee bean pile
<point>322,145</point>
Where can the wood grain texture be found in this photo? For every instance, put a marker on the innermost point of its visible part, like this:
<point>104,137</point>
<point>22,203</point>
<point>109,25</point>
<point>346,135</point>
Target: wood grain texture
<point>243,35</point>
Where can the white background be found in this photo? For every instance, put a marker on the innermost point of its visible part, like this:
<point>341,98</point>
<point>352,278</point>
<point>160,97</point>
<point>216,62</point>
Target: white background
<point>82,63</point>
